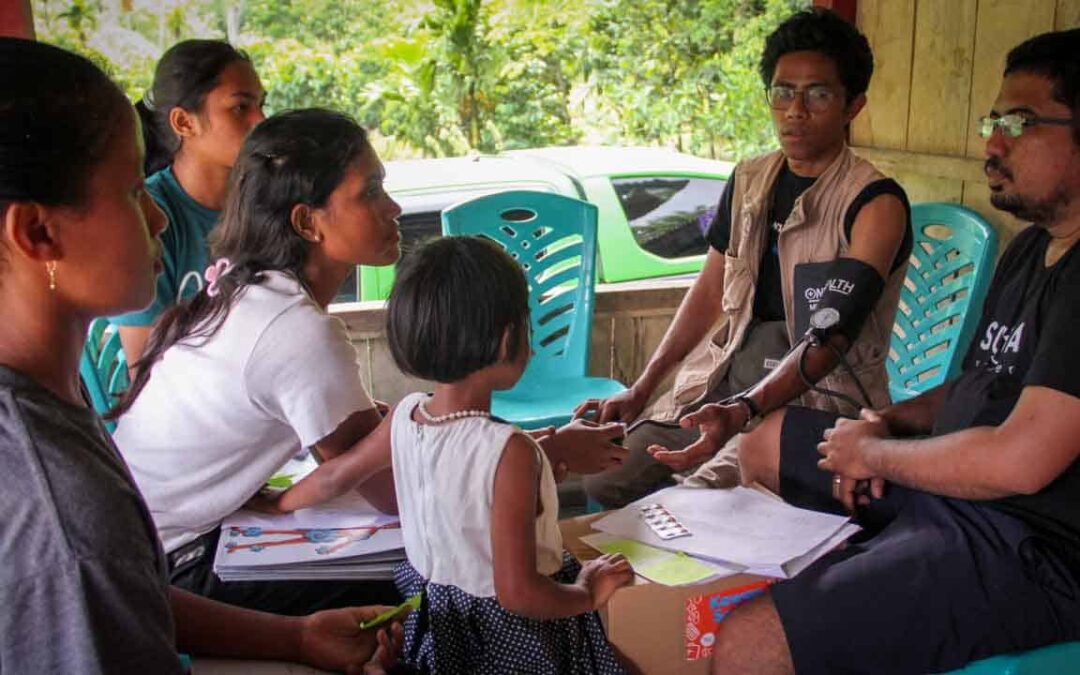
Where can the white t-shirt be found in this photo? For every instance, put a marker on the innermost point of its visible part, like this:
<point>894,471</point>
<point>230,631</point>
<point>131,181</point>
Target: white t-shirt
<point>444,476</point>
<point>219,416</point>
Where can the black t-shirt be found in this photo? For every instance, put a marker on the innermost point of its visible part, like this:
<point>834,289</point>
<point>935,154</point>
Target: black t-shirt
<point>1026,337</point>
<point>769,297</point>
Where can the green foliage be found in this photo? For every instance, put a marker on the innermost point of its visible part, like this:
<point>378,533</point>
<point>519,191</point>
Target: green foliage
<point>452,76</point>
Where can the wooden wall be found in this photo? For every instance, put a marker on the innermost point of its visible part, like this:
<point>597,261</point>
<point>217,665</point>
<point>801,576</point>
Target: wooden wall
<point>628,323</point>
<point>938,66</point>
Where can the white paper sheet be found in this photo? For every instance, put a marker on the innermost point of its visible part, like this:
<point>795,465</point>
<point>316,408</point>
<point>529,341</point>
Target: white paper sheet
<point>739,526</point>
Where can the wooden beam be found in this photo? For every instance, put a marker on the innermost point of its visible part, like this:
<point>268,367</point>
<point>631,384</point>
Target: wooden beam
<point>924,163</point>
<point>16,19</point>
<point>848,9</point>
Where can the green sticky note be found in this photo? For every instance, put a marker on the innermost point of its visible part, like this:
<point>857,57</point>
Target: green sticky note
<point>637,553</point>
<point>678,569</point>
<point>664,567</point>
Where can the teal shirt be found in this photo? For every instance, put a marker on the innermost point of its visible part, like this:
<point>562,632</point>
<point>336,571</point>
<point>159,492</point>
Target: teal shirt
<point>185,253</point>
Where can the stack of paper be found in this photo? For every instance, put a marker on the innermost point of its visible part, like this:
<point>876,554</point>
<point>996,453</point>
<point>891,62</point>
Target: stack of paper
<point>731,531</point>
<point>344,539</point>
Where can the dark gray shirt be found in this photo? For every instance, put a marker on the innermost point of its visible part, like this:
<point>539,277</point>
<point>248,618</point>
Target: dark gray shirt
<point>82,577</point>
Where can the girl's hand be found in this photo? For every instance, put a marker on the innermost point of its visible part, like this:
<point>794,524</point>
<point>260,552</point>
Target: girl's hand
<point>605,575</point>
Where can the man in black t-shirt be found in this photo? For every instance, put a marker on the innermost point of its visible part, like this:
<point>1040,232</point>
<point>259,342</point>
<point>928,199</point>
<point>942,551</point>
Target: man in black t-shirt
<point>971,541</point>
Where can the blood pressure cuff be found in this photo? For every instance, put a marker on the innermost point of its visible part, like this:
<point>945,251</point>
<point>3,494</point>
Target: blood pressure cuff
<point>835,297</point>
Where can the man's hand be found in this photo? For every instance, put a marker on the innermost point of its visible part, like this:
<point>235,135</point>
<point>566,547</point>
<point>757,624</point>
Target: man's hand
<point>333,640</point>
<point>842,448</point>
<point>622,407</point>
<point>857,492</point>
<point>718,423</point>
<point>584,447</point>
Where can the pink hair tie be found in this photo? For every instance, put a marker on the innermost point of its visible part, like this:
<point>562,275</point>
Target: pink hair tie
<point>220,268</point>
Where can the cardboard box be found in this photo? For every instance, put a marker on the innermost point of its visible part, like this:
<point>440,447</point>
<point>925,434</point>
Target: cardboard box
<point>664,629</point>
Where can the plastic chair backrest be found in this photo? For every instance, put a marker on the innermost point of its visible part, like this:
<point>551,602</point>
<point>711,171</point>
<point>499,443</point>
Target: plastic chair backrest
<point>554,239</point>
<point>103,367</point>
<point>952,264</point>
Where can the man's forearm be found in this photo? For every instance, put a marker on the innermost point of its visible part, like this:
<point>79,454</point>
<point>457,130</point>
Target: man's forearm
<point>784,383</point>
<point>968,464</point>
<point>916,416</point>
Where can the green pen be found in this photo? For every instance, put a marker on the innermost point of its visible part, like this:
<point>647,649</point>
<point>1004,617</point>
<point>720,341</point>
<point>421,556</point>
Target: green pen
<point>411,603</point>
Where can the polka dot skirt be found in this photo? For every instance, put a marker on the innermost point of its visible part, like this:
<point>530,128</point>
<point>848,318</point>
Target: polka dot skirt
<point>454,632</point>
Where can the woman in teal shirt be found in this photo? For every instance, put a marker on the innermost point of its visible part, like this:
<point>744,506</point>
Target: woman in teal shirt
<point>205,98</point>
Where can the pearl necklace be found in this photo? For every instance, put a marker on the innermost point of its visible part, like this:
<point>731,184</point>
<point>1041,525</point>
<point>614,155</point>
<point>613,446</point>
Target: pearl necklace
<point>448,417</point>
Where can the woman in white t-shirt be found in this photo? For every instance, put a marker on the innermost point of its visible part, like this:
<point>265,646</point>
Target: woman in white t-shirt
<point>239,378</point>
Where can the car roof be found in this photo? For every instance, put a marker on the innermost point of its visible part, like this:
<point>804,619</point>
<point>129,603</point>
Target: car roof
<point>421,185</point>
<point>589,161</point>
<point>422,174</point>
<point>426,185</point>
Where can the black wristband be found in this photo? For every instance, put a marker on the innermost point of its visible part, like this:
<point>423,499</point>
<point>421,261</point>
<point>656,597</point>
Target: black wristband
<point>749,403</point>
<point>752,411</point>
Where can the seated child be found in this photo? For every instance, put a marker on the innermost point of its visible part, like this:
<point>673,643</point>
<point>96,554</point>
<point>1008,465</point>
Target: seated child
<point>477,499</point>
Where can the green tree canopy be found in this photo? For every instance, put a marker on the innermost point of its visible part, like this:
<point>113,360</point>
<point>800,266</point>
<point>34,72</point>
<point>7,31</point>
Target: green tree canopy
<point>455,76</point>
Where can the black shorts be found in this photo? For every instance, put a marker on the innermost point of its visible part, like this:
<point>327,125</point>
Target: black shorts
<point>934,584</point>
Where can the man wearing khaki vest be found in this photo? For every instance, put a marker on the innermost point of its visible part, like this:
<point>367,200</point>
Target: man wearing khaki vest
<point>784,219</point>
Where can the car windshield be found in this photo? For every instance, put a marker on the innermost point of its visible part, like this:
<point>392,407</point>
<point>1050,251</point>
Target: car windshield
<point>669,215</point>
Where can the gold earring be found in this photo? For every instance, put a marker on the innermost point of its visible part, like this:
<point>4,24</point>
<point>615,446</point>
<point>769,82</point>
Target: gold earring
<point>50,267</point>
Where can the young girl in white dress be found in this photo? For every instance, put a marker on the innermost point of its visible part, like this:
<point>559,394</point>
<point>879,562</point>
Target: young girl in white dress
<point>476,496</point>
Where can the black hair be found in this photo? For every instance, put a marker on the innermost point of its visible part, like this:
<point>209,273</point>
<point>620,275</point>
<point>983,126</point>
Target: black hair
<point>819,30</point>
<point>453,300</point>
<point>1055,56</point>
<point>295,157</point>
<point>58,116</point>
<point>183,77</point>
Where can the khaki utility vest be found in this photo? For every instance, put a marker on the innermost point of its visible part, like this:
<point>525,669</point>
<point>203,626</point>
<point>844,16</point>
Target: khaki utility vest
<point>813,232</point>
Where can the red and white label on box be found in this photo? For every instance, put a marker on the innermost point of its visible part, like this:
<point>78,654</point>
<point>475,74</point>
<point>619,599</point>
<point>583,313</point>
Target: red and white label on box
<point>705,613</point>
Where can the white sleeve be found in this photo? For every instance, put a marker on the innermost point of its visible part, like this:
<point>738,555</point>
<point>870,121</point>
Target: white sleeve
<point>303,371</point>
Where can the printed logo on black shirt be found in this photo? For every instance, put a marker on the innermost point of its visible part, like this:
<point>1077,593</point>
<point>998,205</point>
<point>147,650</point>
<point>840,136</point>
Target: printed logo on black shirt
<point>998,343</point>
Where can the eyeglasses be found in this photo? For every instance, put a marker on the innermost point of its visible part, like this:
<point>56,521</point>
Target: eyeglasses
<point>817,98</point>
<point>1013,124</point>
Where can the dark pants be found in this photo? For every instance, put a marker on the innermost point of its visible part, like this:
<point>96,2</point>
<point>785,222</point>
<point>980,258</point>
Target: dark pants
<point>640,474</point>
<point>932,583</point>
<point>191,568</point>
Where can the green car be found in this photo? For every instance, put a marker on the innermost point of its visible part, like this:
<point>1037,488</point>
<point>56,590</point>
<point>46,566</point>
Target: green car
<point>654,204</point>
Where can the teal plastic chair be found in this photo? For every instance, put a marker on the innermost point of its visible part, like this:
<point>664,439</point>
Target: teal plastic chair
<point>103,367</point>
<point>554,239</point>
<point>952,263</point>
<point>1053,660</point>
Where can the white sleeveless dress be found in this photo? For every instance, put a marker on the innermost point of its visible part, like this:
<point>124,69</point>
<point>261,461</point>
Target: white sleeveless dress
<point>444,475</point>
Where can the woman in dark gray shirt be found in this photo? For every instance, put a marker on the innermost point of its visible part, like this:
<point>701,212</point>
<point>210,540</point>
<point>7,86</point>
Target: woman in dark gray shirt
<point>82,578</point>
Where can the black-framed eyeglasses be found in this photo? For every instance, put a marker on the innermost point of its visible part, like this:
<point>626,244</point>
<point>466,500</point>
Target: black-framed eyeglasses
<point>1013,124</point>
<point>816,98</point>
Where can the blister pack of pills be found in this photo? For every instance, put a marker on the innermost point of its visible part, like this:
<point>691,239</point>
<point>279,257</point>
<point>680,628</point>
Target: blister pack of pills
<point>660,521</point>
